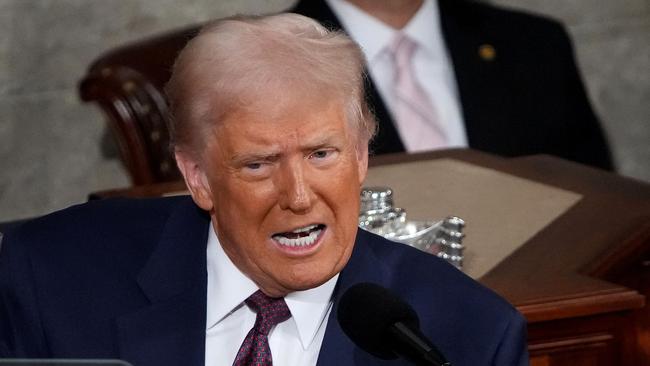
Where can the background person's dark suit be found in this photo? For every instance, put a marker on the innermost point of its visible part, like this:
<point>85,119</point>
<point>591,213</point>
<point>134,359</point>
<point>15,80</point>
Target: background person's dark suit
<point>127,279</point>
<point>529,99</point>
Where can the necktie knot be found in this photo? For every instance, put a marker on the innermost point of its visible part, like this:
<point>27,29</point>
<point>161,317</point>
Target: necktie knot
<point>255,350</point>
<point>270,311</point>
<point>402,49</point>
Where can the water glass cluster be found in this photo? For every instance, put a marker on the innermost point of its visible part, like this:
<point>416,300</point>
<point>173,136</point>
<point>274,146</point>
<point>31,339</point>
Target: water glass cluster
<point>379,215</point>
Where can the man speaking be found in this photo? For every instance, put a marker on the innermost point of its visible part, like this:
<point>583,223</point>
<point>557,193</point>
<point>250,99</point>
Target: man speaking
<point>270,130</point>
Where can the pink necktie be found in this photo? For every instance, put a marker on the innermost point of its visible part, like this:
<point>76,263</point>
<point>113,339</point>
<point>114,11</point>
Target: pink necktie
<point>416,117</point>
<point>255,350</point>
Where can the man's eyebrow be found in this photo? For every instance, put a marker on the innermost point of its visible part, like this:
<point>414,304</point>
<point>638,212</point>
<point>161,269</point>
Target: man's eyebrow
<point>248,157</point>
<point>322,141</point>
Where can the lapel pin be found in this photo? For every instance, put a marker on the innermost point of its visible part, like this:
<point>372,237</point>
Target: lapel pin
<point>487,52</point>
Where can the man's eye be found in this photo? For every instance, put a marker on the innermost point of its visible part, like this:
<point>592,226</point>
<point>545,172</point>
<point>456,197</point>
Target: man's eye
<point>256,170</point>
<point>324,156</point>
<point>321,154</point>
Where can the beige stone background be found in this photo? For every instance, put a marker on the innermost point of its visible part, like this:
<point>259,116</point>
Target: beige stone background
<point>50,143</point>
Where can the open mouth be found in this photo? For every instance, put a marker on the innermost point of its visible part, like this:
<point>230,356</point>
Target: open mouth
<point>301,237</point>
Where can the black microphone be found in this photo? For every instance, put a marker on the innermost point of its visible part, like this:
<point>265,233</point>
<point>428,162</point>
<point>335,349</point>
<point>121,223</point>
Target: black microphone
<point>385,326</point>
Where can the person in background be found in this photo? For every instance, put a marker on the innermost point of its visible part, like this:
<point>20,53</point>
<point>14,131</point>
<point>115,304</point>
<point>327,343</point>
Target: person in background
<point>270,130</point>
<point>463,73</point>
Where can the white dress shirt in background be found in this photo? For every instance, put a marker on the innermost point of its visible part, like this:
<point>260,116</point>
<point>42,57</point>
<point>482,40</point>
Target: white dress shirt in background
<point>294,342</point>
<point>432,63</point>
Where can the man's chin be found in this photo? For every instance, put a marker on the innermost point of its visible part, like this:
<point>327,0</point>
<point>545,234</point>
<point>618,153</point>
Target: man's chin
<point>308,283</point>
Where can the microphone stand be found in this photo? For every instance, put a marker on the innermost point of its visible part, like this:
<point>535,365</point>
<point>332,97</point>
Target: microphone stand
<point>413,346</point>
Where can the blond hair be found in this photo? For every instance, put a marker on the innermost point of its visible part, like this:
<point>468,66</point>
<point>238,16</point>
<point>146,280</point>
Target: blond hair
<point>245,56</point>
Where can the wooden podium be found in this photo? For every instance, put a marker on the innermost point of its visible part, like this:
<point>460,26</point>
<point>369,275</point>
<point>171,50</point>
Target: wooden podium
<point>581,280</point>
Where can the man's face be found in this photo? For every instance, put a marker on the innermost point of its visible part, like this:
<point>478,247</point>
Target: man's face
<point>282,189</point>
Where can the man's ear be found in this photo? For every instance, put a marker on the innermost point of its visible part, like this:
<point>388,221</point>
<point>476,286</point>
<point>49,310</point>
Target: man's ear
<point>195,180</point>
<point>362,161</point>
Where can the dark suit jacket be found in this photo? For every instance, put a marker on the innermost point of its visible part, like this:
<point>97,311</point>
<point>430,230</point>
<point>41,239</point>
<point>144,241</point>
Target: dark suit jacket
<point>127,279</point>
<point>528,100</point>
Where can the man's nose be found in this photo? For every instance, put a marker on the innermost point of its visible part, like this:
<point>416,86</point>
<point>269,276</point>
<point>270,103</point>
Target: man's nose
<point>297,194</point>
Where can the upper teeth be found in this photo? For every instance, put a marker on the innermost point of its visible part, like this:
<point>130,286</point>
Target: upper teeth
<point>303,229</point>
<point>301,241</point>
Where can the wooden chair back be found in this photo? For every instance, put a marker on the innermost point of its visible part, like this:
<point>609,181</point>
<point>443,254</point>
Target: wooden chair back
<point>127,83</point>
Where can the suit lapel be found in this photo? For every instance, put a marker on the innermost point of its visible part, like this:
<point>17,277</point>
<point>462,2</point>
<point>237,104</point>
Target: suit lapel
<point>387,139</point>
<point>319,10</point>
<point>363,266</point>
<point>171,330</point>
<point>483,94</point>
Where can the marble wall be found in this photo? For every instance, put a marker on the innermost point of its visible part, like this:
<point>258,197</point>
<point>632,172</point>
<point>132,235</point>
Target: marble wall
<point>50,150</point>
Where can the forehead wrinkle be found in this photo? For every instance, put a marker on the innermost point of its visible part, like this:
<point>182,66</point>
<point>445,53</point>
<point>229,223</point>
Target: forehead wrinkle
<point>321,140</point>
<point>247,133</point>
<point>255,151</point>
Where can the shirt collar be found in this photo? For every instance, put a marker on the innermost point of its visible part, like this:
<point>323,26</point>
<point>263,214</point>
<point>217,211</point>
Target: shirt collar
<point>424,28</point>
<point>228,287</point>
<point>372,35</point>
<point>375,37</point>
<point>309,309</point>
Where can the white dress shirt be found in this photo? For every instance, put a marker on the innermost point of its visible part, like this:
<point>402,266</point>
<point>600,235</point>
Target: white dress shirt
<point>296,341</point>
<point>432,63</point>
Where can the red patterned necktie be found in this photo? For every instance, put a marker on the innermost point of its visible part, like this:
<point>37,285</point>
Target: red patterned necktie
<point>255,350</point>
